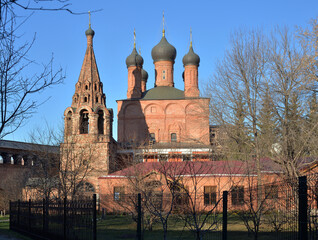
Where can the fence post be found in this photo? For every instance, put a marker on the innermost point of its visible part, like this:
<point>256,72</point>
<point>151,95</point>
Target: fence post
<point>94,218</point>
<point>18,218</point>
<point>64,217</point>
<point>224,229</point>
<point>303,206</point>
<point>29,215</point>
<point>43,215</point>
<point>139,217</point>
<point>10,208</point>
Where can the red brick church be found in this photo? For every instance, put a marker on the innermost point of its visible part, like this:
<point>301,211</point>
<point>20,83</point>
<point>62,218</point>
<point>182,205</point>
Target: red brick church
<point>154,125</point>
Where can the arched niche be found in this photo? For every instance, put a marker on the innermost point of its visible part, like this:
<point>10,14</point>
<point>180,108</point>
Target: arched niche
<point>100,121</point>
<point>174,109</point>
<point>153,109</point>
<point>194,109</point>
<point>84,122</point>
<point>133,110</point>
<point>85,188</point>
<point>68,123</point>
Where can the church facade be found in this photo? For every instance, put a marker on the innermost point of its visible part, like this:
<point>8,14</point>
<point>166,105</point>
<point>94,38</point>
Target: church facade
<point>158,124</point>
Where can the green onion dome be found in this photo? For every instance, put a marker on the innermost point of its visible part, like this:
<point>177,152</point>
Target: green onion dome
<point>144,75</point>
<point>163,51</point>
<point>134,59</point>
<point>191,58</point>
<point>90,31</point>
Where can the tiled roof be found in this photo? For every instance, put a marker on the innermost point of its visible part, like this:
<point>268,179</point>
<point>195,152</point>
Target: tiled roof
<point>29,146</point>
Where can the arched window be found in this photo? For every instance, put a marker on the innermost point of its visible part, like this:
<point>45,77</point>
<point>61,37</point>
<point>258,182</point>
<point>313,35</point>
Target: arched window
<point>95,87</point>
<point>96,99</point>
<point>86,87</point>
<point>100,122</point>
<point>85,187</point>
<point>85,99</point>
<point>84,122</point>
<point>173,137</point>
<point>69,123</point>
<point>152,137</point>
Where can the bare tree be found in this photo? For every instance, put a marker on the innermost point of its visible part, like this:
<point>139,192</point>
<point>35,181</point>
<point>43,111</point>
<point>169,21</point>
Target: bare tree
<point>259,93</point>
<point>201,213</point>
<point>292,79</point>
<point>17,88</point>
<point>43,172</point>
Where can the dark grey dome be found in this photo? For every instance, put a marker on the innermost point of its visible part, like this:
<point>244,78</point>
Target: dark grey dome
<point>163,51</point>
<point>134,59</point>
<point>90,31</point>
<point>144,75</point>
<point>191,58</point>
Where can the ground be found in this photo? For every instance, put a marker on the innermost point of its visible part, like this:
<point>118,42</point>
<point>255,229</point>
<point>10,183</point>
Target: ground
<point>117,227</point>
<point>6,234</point>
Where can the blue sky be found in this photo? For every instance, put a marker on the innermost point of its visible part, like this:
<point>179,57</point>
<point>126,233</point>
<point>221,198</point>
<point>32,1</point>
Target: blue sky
<point>212,23</point>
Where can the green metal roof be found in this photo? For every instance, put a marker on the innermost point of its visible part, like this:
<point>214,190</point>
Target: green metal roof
<point>163,93</point>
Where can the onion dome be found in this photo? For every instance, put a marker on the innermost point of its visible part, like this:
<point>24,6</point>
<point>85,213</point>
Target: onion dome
<point>90,32</point>
<point>144,75</point>
<point>191,58</point>
<point>134,59</point>
<point>163,51</point>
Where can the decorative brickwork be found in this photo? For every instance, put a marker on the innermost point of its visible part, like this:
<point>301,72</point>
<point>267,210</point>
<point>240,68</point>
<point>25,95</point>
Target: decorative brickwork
<point>88,124</point>
<point>164,114</point>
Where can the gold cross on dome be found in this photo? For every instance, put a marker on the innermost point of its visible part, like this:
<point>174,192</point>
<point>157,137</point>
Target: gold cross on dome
<point>89,18</point>
<point>134,38</point>
<point>163,23</point>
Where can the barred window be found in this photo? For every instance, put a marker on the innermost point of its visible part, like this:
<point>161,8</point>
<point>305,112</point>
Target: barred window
<point>237,195</point>
<point>209,195</point>
<point>163,158</point>
<point>119,193</point>
<point>271,191</point>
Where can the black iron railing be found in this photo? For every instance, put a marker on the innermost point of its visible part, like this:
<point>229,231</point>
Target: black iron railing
<point>54,219</point>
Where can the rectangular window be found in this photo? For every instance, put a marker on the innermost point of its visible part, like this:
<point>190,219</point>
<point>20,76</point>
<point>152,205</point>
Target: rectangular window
<point>186,157</point>
<point>271,191</point>
<point>156,198</point>
<point>163,158</point>
<point>209,195</point>
<point>237,195</point>
<point>181,197</point>
<point>173,137</point>
<point>119,193</point>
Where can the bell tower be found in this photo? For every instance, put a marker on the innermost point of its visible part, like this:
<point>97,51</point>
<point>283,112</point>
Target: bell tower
<point>88,122</point>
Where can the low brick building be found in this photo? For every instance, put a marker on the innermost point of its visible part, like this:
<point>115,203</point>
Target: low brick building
<point>196,181</point>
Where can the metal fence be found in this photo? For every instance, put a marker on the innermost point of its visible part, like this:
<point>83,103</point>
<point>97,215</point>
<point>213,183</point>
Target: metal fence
<point>277,210</point>
<point>53,219</point>
<point>184,216</point>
